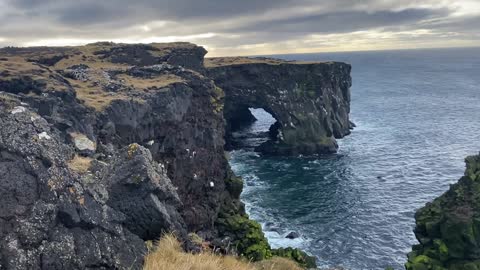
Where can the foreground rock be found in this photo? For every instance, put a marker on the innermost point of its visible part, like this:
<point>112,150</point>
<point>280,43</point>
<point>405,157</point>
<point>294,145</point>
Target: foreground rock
<point>51,218</point>
<point>448,228</point>
<point>310,101</point>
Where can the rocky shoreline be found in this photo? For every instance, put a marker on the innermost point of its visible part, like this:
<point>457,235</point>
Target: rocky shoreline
<point>448,228</point>
<point>104,147</point>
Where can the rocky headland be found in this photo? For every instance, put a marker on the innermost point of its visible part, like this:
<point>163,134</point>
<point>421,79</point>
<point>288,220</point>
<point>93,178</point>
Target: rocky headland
<point>105,147</point>
<point>310,101</point>
<point>448,228</point>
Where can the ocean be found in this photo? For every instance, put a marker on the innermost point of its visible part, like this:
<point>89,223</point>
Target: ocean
<point>418,116</point>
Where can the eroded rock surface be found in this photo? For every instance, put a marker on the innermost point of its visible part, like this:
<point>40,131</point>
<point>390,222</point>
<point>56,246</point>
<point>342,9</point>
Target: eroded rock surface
<point>448,228</point>
<point>50,217</point>
<point>310,101</point>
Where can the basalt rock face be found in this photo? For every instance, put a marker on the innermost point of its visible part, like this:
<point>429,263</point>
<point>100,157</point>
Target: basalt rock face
<point>106,146</point>
<point>310,101</point>
<point>52,217</point>
<point>448,228</point>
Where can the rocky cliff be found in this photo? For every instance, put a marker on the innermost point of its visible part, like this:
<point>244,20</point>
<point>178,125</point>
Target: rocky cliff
<point>310,101</point>
<point>106,146</point>
<point>448,228</point>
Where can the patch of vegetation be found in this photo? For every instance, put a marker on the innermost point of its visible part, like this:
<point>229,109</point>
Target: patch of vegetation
<point>228,61</point>
<point>249,240</point>
<point>167,254</point>
<point>296,255</point>
<point>80,164</point>
<point>448,228</point>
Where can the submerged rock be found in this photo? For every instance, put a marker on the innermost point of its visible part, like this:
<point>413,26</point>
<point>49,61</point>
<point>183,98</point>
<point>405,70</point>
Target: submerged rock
<point>448,227</point>
<point>292,235</point>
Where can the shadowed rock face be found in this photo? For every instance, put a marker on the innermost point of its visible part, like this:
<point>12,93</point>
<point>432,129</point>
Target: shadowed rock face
<point>448,228</point>
<point>51,217</point>
<point>310,101</point>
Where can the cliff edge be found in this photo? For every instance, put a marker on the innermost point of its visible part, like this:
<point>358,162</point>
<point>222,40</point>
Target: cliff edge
<point>448,228</point>
<point>309,100</point>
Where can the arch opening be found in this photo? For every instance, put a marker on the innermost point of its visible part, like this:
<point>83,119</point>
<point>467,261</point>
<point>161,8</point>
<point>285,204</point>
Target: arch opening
<point>251,127</point>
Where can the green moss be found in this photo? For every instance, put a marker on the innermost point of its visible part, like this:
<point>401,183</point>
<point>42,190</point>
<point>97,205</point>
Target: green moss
<point>302,258</point>
<point>132,149</point>
<point>423,262</point>
<point>234,186</point>
<point>448,229</point>
<point>247,235</point>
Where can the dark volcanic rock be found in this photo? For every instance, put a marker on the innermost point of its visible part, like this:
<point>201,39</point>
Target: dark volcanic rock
<point>292,235</point>
<point>448,227</point>
<point>153,203</point>
<point>310,101</point>
<point>49,218</point>
<point>113,144</point>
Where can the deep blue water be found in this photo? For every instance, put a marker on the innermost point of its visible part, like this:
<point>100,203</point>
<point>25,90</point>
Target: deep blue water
<point>418,116</point>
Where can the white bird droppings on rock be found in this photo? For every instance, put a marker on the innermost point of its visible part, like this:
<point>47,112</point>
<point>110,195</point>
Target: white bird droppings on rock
<point>34,118</point>
<point>18,109</point>
<point>44,135</point>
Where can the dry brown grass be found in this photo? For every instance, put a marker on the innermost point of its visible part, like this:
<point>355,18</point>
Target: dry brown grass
<point>80,164</point>
<point>146,84</point>
<point>93,95</point>
<point>228,61</point>
<point>18,67</point>
<point>169,255</point>
<point>277,263</point>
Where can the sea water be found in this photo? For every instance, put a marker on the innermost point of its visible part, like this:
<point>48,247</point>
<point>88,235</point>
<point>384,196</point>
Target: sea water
<point>418,116</point>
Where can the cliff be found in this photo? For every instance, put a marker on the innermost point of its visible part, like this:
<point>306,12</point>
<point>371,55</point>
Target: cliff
<point>448,228</point>
<point>106,146</point>
<point>310,101</point>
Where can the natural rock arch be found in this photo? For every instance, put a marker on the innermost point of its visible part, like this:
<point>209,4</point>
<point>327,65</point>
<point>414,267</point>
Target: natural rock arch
<point>310,101</point>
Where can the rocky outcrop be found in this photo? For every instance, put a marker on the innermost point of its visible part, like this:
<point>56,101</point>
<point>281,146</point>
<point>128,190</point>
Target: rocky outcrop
<point>310,101</point>
<point>106,146</point>
<point>129,150</point>
<point>51,217</point>
<point>448,228</point>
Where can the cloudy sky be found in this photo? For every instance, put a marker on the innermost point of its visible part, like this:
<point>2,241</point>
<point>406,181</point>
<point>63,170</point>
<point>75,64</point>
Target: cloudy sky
<point>245,27</point>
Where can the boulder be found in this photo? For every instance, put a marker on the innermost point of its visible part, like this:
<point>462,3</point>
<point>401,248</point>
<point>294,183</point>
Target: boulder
<point>292,235</point>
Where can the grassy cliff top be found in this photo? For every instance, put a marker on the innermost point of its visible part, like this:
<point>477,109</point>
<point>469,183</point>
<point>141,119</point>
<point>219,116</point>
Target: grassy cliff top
<point>98,73</point>
<point>241,60</point>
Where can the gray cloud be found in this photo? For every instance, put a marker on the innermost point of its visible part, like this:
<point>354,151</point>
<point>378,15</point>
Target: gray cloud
<point>244,27</point>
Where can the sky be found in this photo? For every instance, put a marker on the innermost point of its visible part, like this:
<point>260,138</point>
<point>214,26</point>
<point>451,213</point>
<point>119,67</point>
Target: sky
<point>245,27</point>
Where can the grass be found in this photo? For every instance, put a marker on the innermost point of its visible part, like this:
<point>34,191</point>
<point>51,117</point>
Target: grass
<point>156,82</point>
<point>228,61</point>
<point>93,95</point>
<point>17,67</point>
<point>168,254</point>
<point>80,164</point>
